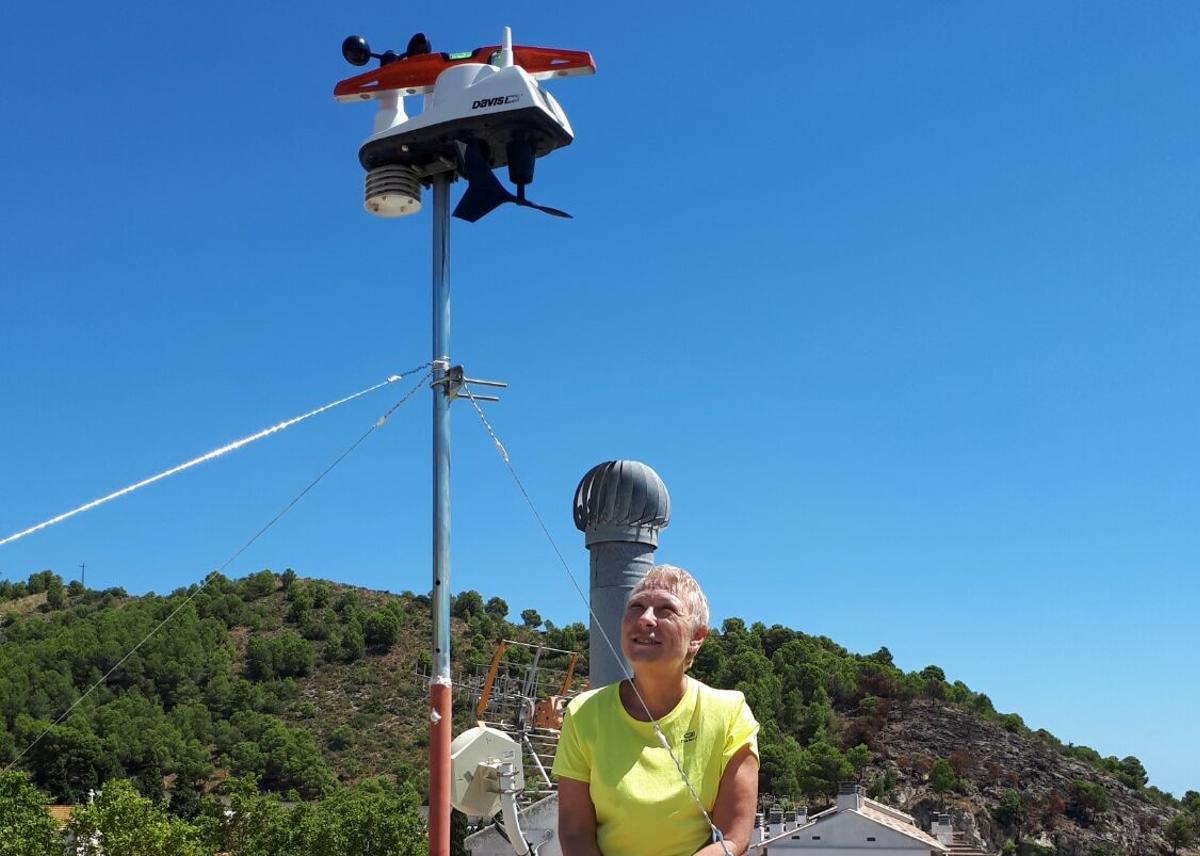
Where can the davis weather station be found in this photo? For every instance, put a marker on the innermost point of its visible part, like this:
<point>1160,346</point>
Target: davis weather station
<point>482,109</point>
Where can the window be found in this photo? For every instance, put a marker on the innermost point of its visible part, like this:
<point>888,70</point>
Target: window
<point>816,838</point>
<point>870,838</point>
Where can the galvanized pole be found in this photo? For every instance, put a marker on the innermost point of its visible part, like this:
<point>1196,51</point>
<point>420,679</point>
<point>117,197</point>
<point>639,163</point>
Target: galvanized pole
<point>439,685</point>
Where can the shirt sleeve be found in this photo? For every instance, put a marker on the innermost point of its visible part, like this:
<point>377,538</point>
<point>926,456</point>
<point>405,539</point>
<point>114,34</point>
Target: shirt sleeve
<point>742,731</point>
<point>573,757</point>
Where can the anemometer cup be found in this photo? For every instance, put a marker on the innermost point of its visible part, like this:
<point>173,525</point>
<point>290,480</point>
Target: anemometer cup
<point>356,51</point>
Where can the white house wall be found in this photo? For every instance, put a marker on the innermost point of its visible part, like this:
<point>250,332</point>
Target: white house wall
<point>846,833</point>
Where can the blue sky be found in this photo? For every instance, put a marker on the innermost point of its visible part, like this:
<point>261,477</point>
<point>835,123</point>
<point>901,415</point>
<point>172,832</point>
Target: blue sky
<point>899,299</point>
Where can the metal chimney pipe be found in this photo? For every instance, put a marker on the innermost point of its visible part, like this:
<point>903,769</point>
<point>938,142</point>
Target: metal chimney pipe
<point>619,506</point>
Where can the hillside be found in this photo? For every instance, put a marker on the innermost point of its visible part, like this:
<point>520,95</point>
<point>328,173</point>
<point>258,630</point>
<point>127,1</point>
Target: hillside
<point>308,685</point>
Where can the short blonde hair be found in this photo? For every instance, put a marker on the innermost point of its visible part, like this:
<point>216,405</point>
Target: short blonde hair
<point>681,584</point>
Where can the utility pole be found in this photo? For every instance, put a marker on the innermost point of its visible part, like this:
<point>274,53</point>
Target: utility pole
<point>83,574</point>
<point>439,684</point>
<point>401,156</point>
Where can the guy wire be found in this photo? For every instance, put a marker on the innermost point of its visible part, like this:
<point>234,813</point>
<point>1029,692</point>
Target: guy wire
<point>207,456</point>
<point>212,575</point>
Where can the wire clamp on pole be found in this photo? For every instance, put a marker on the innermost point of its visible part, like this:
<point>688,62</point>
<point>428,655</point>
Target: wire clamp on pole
<point>455,380</point>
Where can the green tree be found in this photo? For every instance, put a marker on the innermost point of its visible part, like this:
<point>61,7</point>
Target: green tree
<point>353,644</point>
<point>69,760</point>
<point>341,738</point>
<point>933,682</point>
<point>381,629</point>
<point>280,756</point>
<point>942,779</point>
<point>467,603</point>
<point>815,718</point>
<point>933,673</point>
<point>320,593</point>
<point>1010,812</point>
<point>293,656</point>
<point>1012,723</point>
<point>56,594</point>
<point>258,585</point>
<point>859,757</point>
<point>497,608</point>
<point>822,769</point>
<point>300,600</point>
<point>25,828</point>
<point>40,581</point>
<point>260,659</point>
<point>1131,772</point>
<point>882,786</point>
<point>187,797</point>
<point>348,604</point>
<point>1087,800</point>
<point>256,824</point>
<point>369,818</point>
<point>883,656</point>
<point>780,768</point>
<point>531,619</point>
<point>709,661</point>
<point>121,822</point>
<point>750,672</point>
<point>1180,832</point>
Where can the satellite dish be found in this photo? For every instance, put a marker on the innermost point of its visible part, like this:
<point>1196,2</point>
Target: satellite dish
<point>475,757</point>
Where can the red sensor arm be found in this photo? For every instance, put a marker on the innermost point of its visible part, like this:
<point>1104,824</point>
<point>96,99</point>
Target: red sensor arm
<point>416,75</point>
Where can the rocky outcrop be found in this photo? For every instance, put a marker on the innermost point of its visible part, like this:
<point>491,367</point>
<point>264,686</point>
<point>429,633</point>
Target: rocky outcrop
<point>990,760</point>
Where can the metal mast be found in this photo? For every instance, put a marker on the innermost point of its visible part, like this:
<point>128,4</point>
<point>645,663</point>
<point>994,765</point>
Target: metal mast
<point>400,156</point>
<point>439,685</point>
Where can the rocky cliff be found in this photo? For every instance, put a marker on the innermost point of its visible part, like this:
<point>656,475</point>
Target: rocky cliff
<point>1055,811</point>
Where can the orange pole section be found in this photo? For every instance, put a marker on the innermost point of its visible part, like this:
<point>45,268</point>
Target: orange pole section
<point>439,769</point>
<point>490,680</point>
<point>566,681</point>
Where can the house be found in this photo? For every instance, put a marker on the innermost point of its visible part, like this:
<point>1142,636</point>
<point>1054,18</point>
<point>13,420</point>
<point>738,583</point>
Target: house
<point>855,825</point>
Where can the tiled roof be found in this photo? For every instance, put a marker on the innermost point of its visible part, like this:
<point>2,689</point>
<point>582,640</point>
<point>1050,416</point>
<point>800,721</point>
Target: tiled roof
<point>900,826</point>
<point>889,810</point>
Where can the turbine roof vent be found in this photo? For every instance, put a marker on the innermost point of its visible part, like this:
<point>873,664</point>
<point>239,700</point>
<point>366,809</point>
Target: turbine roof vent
<point>621,501</point>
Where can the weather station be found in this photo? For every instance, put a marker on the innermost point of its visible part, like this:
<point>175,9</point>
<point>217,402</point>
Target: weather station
<point>482,109</point>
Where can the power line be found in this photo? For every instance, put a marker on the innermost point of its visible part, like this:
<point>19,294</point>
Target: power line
<point>379,423</point>
<point>207,456</point>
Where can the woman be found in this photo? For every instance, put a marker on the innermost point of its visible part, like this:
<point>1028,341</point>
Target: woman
<point>620,792</point>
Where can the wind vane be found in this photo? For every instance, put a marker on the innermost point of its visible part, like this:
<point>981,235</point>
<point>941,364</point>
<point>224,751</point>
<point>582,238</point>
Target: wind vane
<point>483,109</point>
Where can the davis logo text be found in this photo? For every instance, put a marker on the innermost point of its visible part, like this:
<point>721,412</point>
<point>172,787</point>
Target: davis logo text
<point>494,102</point>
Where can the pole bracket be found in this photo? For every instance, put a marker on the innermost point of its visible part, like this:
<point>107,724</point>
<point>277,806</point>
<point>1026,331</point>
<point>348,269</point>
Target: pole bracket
<point>455,379</point>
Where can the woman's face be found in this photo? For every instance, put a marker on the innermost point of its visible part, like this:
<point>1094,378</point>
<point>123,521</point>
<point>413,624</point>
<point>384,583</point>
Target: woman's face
<point>656,630</point>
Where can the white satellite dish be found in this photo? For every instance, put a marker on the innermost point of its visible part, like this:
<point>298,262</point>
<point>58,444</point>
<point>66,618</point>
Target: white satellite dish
<point>475,759</point>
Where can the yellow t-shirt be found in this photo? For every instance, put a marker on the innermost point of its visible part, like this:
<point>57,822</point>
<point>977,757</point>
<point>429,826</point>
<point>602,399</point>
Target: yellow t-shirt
<point>643,808</point>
